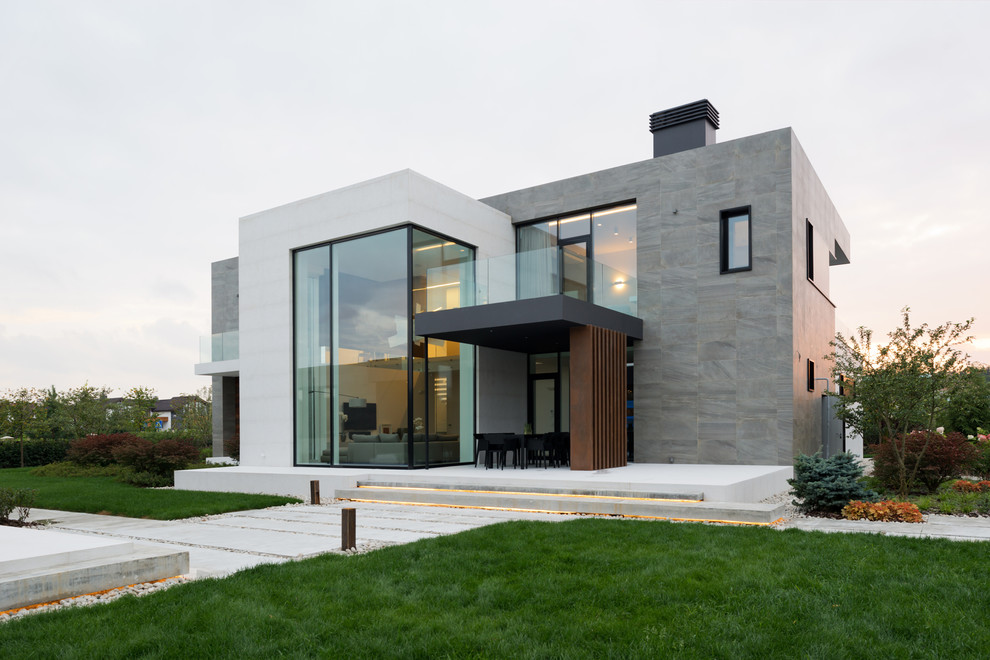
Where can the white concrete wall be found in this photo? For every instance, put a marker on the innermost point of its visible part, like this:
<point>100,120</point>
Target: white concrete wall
<point>266,243</point>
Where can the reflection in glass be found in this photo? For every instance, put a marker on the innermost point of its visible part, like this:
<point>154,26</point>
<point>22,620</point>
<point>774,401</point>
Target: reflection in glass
<point>738,241</point>
<point>314,409</point>
<point>371,348</point>
<point>442,371</point>
<point>574,266</point>
<point>603,241</point>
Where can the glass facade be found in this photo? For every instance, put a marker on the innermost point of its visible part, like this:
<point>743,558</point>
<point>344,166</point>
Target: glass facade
<point>314,403</point>
<point>369,392</point>
<point>589,256</point>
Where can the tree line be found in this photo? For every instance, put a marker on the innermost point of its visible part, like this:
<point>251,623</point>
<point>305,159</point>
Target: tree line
<point>87,410</point>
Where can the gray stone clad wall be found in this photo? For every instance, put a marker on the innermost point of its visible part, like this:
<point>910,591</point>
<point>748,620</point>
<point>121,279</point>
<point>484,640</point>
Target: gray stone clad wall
<point>226,318</point>
<point>719,374</point>
<point>225,295</point>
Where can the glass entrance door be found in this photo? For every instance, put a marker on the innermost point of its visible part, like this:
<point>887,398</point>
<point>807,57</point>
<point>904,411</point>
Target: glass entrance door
<point>574,269</point>
<point>544,404</point>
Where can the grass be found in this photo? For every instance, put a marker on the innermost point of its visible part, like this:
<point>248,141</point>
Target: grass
<point>585,588</point>
<point>108,496</point>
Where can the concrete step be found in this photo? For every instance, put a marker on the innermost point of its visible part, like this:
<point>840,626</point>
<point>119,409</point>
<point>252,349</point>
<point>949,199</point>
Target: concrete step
<point>611,503</point>
<point>41,566</point>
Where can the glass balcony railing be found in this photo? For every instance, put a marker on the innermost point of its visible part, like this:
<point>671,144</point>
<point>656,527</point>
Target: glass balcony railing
<point>219,347</point>
<point>533,274</point>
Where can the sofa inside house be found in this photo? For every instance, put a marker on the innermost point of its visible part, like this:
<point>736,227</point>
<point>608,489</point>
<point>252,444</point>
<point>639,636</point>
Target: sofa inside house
<point>393,449</point>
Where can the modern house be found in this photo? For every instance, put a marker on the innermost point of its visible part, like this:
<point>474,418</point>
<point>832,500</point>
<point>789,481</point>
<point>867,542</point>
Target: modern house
<point>672,310</point>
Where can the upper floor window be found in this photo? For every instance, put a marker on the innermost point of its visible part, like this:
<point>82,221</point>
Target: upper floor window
<point>736,239</point>
<point>589,255</point>
<point>809,232</point>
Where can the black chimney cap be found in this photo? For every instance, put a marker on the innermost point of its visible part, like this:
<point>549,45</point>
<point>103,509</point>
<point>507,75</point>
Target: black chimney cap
<point>685,127</point>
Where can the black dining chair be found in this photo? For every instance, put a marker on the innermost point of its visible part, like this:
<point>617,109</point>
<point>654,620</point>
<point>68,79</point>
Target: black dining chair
<point>495,456</point>
<point>480,445</point>
<point>514,444</point>
<point>536,450</point>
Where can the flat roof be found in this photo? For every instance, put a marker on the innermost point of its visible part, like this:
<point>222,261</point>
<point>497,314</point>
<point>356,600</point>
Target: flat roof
<point>534,325</point>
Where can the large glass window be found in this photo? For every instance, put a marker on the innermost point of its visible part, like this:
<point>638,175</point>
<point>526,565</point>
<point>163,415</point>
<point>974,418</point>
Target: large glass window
<point>367,391</point>
<point>314,403</point>
<point>736,240</point>
<point>443,371</point>
<point>371,347</point>
<point>589,256</point>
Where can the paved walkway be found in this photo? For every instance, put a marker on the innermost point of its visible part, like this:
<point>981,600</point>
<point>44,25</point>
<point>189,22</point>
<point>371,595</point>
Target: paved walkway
<point>219,545</point>
<point>957,528</point>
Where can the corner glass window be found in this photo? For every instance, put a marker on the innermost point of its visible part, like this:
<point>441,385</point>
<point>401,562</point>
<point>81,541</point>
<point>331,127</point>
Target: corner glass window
<point>736,240</point>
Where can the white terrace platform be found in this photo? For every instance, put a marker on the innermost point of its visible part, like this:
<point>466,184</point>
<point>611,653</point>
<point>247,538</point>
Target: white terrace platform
<point>713,483</point>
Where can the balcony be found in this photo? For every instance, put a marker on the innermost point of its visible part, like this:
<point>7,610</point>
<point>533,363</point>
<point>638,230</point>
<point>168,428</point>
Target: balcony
<point>219,354</point>
<point>526,302</point>
<point>526,275</point>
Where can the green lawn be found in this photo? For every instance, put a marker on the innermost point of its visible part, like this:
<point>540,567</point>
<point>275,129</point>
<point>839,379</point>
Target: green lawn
<point>105,495</point>
<point>584,588</point>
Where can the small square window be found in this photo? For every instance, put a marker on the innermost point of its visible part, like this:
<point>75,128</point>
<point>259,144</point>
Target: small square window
<point>811,375</point>
<point>736,239</point>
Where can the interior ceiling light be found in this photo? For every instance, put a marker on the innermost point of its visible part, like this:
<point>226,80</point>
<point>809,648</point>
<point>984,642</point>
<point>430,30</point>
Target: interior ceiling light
<point>617,209</point>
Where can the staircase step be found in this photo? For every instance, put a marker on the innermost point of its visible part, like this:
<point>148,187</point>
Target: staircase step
<point>545,500</point>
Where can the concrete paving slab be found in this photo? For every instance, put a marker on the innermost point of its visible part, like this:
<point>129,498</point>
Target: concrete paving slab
<point>220,545</point>
<point>957,528</point>
<point>42,565</point>
<point>25,549</point>
<point>721,483</point>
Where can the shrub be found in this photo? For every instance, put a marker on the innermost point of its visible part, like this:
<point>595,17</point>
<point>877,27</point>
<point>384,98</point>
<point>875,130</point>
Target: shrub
<point>160,459</point>
<point>980,466</point>
<point>964,486</point>
<point>232,446</point>
<point>99,449</point>
<point>21,499</point>
<point>886,511</point>
<point>146,479</point>
<point>945,457</point>
<point>826,485</point>
<point>171,434</point>
<point>70,469</point>
<point>967,486</point>
<point>36,452</point>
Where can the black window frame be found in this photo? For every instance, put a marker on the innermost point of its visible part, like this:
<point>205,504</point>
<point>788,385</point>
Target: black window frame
<point>811,375</point>
<point>724,218</point>
<point>809,231</point>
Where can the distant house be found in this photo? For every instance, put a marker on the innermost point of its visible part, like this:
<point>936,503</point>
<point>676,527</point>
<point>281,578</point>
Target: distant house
<point>164,415</point>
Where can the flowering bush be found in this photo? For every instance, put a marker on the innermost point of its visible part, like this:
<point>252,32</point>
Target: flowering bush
<point>981,464</point>
<point>886,511</point>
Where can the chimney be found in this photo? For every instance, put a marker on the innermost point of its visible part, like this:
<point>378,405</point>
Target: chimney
<point>685,127</point>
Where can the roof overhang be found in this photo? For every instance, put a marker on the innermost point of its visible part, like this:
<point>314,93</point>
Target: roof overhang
<point>536,325</point>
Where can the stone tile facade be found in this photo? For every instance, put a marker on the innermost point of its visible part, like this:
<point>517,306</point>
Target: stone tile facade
<point>720,373</point>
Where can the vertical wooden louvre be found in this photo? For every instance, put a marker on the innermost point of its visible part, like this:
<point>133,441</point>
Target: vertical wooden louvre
<point>598,398</point>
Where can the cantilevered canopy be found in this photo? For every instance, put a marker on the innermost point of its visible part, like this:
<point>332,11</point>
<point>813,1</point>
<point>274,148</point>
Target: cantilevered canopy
<point>534,325</point>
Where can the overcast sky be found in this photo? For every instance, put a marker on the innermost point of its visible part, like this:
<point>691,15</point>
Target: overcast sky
<point>134,134</point>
